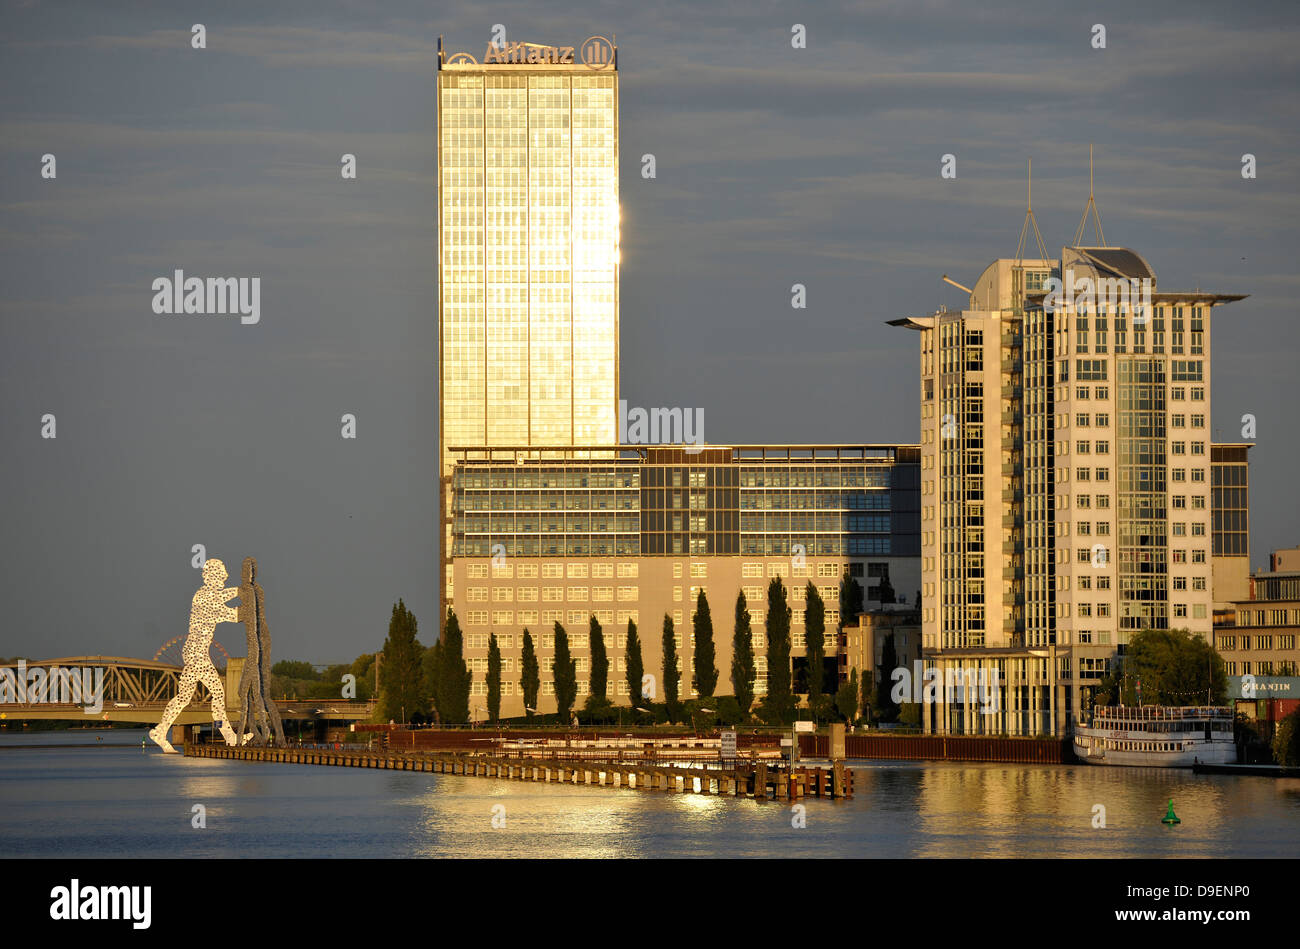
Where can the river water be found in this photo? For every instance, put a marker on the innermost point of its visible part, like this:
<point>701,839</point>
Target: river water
<point>113,799</point>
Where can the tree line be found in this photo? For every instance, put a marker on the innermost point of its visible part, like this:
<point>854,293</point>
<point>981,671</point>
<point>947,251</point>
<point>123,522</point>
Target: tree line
<point>425,684</point>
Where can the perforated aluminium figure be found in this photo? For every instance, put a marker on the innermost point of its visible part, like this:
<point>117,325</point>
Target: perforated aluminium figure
<point>207,609</point>
<point>252,612</point>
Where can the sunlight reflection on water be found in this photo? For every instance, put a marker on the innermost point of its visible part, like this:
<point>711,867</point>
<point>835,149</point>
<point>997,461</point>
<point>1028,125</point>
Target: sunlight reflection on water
<point>120,801</point>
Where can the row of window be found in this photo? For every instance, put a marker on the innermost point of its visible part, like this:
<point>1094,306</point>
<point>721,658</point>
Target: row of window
<point>1086,555</point>
<point>479,571</point>
<point>551,594</point>
<point>1261,668</point>
<point>577,622</point>
<point>546,618</point>
<point>829,594</point>
<point>1257,642</point>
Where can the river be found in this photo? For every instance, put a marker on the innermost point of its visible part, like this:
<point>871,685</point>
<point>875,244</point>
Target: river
<point>114,799</point>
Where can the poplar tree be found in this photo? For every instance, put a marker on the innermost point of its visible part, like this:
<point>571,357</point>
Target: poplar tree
<point>846,700</point>
<point>780,697</point>
<point>453,673</point>
<point>885,705</point>
<point>400,673</point>
<point>493,679</point>
<point>815,640</point>
<point>635,665</point>
<point>530,676</point>
<point>431,666</point>
<point>852,600</point>
<point>704,672</point>
<point>672,675</point>
<point>599,663</point>
<point>743,671</point>
<point>564,673</point>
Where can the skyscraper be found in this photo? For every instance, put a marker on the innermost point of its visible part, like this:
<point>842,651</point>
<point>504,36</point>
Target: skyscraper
<point>1065,489</point>
<point>528,251</point>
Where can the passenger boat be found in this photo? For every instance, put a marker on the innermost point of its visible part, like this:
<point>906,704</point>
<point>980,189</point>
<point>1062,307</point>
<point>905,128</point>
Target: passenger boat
<point>1156,736</point>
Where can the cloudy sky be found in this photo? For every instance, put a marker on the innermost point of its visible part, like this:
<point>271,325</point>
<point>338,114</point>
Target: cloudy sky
<point>775,166</point>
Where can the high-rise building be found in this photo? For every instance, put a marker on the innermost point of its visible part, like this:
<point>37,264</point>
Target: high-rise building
<point>1065,480</point>
<point>528,251</point>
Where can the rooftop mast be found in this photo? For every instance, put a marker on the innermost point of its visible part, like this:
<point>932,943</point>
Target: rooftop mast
<point>1090,206</point>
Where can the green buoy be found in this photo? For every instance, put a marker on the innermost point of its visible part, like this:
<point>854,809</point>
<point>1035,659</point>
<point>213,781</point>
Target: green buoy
<point>1170,817</point>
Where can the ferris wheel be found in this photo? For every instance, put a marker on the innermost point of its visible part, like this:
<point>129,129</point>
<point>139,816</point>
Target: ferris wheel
<point>170,653</point>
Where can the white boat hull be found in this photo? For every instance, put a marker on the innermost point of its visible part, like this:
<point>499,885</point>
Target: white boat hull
<point>1146,750</point>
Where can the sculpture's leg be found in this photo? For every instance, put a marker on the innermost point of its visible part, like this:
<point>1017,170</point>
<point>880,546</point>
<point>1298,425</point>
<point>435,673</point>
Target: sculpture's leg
<point>249,686</point>
<point>245,713</point>
<point>212,680</point>
<point>268,698</point>
<point>184,692</point>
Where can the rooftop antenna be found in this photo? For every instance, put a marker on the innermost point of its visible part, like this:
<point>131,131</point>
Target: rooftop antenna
<point>1090,206</point>
<point>1031,222</point>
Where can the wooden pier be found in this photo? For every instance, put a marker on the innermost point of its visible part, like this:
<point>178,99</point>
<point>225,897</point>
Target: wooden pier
<point>760,781</point>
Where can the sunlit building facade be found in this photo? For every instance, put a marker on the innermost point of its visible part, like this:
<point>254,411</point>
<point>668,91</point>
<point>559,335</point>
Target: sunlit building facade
<point>1066,498</point>
<point>528,252</point>
<point>637,533</point>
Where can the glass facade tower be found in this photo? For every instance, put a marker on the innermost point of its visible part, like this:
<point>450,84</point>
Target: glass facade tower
<point>528,234</point>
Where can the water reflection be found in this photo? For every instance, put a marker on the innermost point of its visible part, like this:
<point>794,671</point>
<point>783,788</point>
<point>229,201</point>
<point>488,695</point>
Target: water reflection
<point>121,802</point>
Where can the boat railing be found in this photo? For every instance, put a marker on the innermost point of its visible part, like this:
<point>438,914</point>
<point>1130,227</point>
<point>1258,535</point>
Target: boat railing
<point>1160,713</point>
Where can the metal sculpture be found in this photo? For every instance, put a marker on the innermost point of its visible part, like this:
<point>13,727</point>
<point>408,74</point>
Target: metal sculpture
<point>261,719</point>
<point>207,609</point>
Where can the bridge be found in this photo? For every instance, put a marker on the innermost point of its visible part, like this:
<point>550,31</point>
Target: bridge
<point>137,690</point>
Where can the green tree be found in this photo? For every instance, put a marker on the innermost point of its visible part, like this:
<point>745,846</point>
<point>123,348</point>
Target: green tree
<point>565,674</point>
<point>672,674</point>
<point>431,665</point>
<point>886,708</point>
<point>1174,667</point>
<point>846,700</point>
<point>1286,741</point>
<point>728,711</point>
<point>780,702</point>
<point>453,674</point>
<point>635,665</point>
<point>530,680</point>
<point>399,675</point>
<point>743,671</point>
<point>815,638</point>
<point>867,689</point>
<point>885,592</point>
<point>493,679</point>
<point>704,675</point>
<point>295,669</point>
<point>363,667</point>
<point>852,600</point>
<point>599,662</point>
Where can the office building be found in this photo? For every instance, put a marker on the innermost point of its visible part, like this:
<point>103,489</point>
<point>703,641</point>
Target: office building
<point>637,532</point>
<point>1258,636</point>
<point>1065,479</point>
<point>528,251</point>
